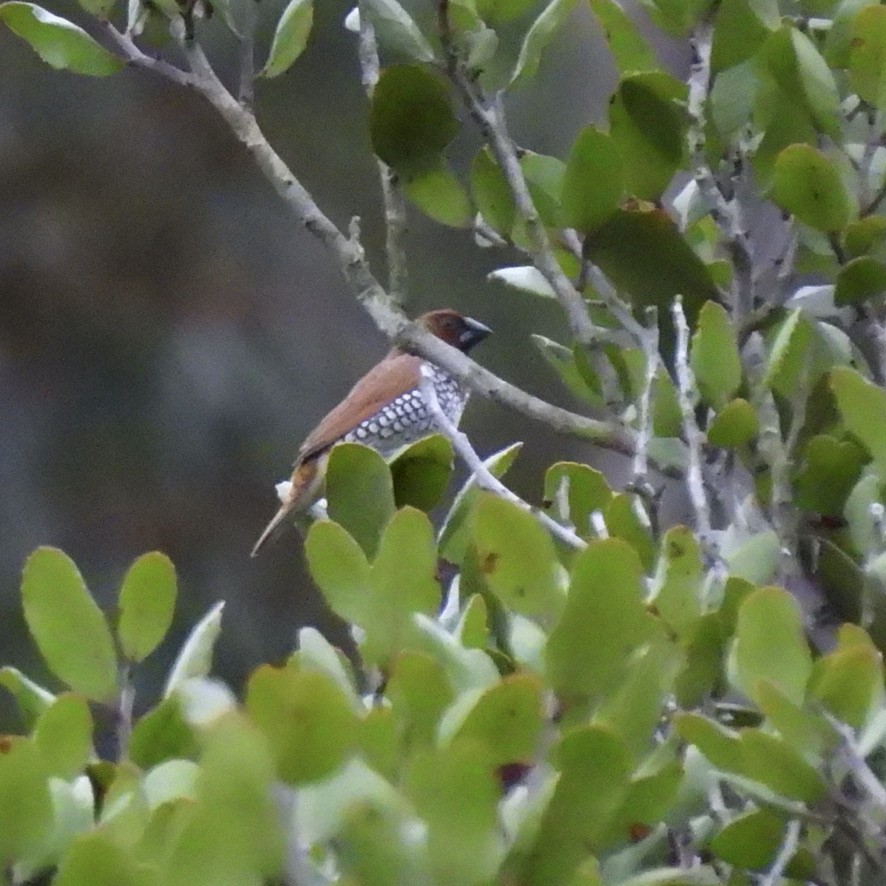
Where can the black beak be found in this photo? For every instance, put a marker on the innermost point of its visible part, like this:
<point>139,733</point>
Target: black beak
<point>473,333</point>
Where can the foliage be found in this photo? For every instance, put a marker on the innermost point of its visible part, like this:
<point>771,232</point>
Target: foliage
<point>568,693</point>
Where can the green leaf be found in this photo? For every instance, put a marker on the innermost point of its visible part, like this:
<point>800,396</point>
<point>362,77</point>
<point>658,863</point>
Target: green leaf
<point>667,418</point>
<point>63,735</point>
<point>396,30</point>
<point>585,490</point>
<point>788,353</point>
<point>848,682</point>
<point>230,833</point>
<point>731,99</point>
<point>31,698</point>
<point>290,38</point>
<point>563,361</point>
<point>739,32</point>
<point>506,720</point>
<point>544,178</point>
<point>623,521</point>
<point>648,125</point>
<point>644,255</point>
<point>734,425</point>
<point>60,43</point>
<point>340,569</point>
<point>867,56</point>
<point>97,860</point>
<point>593,184</point>
<point>454,791</point>
<point>316,653</point>
<point>594,780</point>
<point>403,581</point>
<point>828,472</point>
<point>809,733</point>
<point>440,195</point>
<point>195,657</point>
<point>455,536</point>
<point>770,645</point>
<point>751,840</point>
<point>421,473</point>
<point>605,602</point>
<point>411,119</point>
<point>629,49</point>
<point>864,234</point>
<point>492,194</point>
<point>537,38</point>
<point>861,279</point>
<point>25,804</point>
<point>500,11</point>
<point>517,557</point>
<point>634,709</point>
<point>770,760</point>
<point>862,407</point>
<point>715,359</point>
<point>146,604</point>
<point>720,745</point>
<point>702,645</point>
<point>752,557</point>
<point>360,493</point>
<point>67,626</point>
<point>162,734</point>
<point>419,692</point>
<point>808,185</point>
<point>308,722</point>
<point>676,590</point>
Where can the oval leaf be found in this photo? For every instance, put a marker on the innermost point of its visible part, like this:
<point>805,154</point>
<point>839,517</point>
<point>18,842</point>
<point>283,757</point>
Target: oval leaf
<point>60,43</point>
<point>67,626</point>
<point>290,38</point>
<point>808,186</point>
<point>308,722</point>
<point>147,604</point>
<point>593,184</point>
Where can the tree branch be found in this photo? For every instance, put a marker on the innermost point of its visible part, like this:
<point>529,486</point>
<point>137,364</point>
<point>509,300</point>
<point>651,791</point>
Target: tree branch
<point>485,479</point>
<point>392,193</point>
<point>688,396</point>
<point>352,261</point>
<point>490,117</point>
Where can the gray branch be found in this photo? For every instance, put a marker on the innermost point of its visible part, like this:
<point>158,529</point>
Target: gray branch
<point>392,193</point>
<point>352,261</point>
<point>484,477</point>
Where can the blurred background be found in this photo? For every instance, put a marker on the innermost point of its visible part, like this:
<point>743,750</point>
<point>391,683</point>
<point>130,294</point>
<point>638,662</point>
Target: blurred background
<point>169,334</point>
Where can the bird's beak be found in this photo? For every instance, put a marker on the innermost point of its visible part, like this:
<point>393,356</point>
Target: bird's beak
<point>474,333</point>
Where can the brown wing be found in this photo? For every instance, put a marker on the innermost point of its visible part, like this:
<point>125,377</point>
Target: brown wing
<point>387,380</point>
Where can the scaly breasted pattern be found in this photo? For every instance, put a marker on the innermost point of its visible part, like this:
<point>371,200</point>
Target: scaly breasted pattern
<point>384,410</point>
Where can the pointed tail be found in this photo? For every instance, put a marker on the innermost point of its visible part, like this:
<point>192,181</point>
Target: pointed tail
<point>306,481</point>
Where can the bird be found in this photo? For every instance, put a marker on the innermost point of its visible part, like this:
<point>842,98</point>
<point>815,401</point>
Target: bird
<point>384,410</point>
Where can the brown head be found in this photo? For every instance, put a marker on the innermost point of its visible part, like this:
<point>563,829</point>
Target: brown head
<point>456,330</point>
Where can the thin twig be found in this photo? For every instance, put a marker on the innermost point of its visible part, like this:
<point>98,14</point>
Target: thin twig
<point>490,117</point>
<point>484,477</point>
<point>687,393</point>
<point>788,849</point>
<point>726,211</point>
<point>141,60</point>
<point>125,705</point>
<point>644,435</point>
<point>246,91</point>
<point>352,262</point>
<point>392,192</point>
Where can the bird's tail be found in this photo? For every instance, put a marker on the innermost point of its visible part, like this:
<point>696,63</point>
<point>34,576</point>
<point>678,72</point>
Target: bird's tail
<point>306,481</point>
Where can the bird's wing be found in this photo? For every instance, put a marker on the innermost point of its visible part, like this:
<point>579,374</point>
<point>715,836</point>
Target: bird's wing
<point>387,380</point>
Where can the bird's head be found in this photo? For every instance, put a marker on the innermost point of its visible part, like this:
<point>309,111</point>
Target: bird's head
<point>456,330</point>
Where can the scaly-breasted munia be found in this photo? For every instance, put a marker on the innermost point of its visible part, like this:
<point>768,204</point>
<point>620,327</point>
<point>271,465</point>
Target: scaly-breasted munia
<point>384,410</point>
